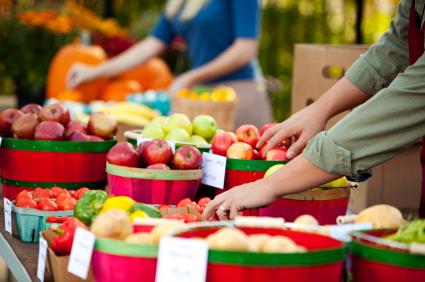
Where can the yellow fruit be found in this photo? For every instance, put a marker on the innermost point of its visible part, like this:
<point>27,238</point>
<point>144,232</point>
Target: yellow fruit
<point>205,96</point>
<point>273,169</point>
<point>137,214</point>
<point>223,93</point>
<point>117,203</point>
<point>337,183</point>
<point>184,92</point>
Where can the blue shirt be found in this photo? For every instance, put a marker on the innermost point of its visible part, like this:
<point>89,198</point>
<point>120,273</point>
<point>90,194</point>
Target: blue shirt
<point>213,30</point>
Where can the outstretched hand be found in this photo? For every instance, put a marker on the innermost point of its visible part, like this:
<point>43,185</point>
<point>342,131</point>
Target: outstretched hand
<point>80,73</point>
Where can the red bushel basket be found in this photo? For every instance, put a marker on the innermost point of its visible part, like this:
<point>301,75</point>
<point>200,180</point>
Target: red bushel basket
<point>374,262</point>
<point>27,164</point>
<point>152,186</point>
<point>323,260</point>
<point>240,172</point>
<point>324,204</point>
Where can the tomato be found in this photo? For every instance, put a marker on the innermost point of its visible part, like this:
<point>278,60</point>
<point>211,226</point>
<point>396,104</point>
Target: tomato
<point>188,218</point>
<point>163,207</point>
<point>184,202</point>
<point>195,206</point>
<point>41,193</point>
<point>204,201</point>
<point>62,196</point>
<point>24,195</point>
<point>55,219</point>
<point>175,216</point>
<point>55,191</point>
<point>46,205</point>
<point>80,192</point>
<point>26,203</point>
<point>67,204</point>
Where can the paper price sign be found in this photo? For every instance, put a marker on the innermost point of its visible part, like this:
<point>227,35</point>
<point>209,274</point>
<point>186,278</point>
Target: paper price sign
<point>42,253</point>
<point>182,260</point>
<point>141,140</point>
<point>8,215</point>
<point>81,252</point>
<point>213,170</point>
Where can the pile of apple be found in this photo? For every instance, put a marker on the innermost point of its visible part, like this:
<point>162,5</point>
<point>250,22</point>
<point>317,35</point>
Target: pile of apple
<point>53,199</point>
<point>53,123</point>
<point>241,144</point>
<point>179,128</point>
<point>155,154</point>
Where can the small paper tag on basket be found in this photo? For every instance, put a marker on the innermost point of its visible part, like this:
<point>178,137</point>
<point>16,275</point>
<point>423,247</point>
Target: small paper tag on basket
<point>141,139</point>
<point>8,215</point>
<point>182,260</point>
<point>42,253</point>
<point>81,252</point>
<point>213,170</point>
<point>1,139</point>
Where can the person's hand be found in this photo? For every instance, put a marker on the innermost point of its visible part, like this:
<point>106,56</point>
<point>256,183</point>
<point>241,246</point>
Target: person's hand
<point>80,73</point>
<point>228,204</point>
<point>185,80</point>
<point>299,129</point>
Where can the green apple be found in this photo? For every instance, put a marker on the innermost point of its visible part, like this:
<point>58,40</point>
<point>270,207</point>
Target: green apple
<point>273,169</point>
<point>178,121</point>
<point>161,120</point>
<point>204,126</point>
<point>198,140</point>
<point>178,135</point>
<point>153,131</point>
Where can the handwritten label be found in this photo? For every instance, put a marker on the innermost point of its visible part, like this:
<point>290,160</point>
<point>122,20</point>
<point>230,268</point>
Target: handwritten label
<point>81,252</point>
<point>213,170</point>
<point>182,260</point>
<point>342,232</point>
<point>8,215</point>
<point>141,140</point>
<point>42,253</point>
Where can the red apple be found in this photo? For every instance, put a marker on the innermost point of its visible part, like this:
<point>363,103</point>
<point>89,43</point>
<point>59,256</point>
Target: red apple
<point>248,133</point>
<point>262,152</point>
<point>74,126</point>
<point>187,157</point>
<point>94,138</point>
<point>24,127</point>
<point>241,151</point>
<point>55,112</point>
<point>277,154</point>
<point>221,142</point>
<point>102,125</point>
<point>158,166</point>
<point>7,117</point>
<point>255,155</point>
<point>123,154</point>
<point>49,130</point>
<point>79,137</point>
<point>156,151</point>
<point>32,108</point>
<point>266,127</point>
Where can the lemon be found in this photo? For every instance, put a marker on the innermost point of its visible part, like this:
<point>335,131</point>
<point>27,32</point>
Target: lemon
<point>118,203</point>
<point>137,214</point>
<point>205,96</point>
<point>340,182</point>
<point>273,169</point>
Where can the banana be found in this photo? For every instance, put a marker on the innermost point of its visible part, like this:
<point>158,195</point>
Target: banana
<point>130,119</point>
<point>135,109</point>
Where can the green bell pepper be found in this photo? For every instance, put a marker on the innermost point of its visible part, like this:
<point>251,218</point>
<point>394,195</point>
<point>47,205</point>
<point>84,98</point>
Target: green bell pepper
<point>89,206</point>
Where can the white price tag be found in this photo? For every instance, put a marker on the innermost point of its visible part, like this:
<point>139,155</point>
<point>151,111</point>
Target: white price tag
<point>1,139</point>
<point>141,139</point>
<point>8,215</point>
<point>213,170</point>
<point>182,260</point>
<point>42,253</point>
<point>81,252</point>
<point>341,232</point>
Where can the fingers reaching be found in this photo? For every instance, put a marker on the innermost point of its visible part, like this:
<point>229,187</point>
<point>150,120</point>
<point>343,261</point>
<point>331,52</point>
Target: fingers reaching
<point>267,135</point>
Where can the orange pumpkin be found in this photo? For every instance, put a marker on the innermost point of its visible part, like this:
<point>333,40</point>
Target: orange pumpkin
<point>153,74</point>
<point>63,61</point>
<point>70,95</point>
<point>118,90</point>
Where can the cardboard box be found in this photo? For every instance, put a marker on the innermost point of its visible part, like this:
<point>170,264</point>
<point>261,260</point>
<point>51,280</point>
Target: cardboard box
<point>398,181</point>
<point>58,265</point>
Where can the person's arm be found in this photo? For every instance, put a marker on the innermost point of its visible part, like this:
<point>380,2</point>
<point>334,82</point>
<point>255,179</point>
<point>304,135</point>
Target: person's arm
<point>370,73</point>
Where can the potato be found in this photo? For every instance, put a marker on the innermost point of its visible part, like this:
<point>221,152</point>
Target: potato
<point>113,224</point>
<point>256,242</point>
<point>165,229</point>
<point>281,244</point>
<point>381,217</point>
<point>229,239</point>
<point>306,219</point>
<point>140,238</point>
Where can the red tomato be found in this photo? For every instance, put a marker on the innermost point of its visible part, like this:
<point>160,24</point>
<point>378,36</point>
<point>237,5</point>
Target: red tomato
<point>188,218</point>
<point>62,196</point>
<point>204,201</point>
<point>46,205</point>
<point>174,216</point>
<point>195,206</point>
<point>26,203</point>
<point>67,204</point>
<point>163,207</point>
<point>80,192</point>
<point>41,193</point>
<point>24,195</point>
<point>184,202</point>
<point>55,191</point>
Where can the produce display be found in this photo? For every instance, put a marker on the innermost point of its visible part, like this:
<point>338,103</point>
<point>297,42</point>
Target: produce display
<point>155,154</point>
<point>202,93</point>
<point>410,232</point>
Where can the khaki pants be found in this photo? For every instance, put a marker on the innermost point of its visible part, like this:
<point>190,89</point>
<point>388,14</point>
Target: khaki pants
<point>254,105</point>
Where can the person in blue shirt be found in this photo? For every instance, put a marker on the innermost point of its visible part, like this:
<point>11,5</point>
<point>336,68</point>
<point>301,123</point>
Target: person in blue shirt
<point>222,42</point>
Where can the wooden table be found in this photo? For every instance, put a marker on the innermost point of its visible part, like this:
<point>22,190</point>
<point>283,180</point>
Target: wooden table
<point>20,257</point>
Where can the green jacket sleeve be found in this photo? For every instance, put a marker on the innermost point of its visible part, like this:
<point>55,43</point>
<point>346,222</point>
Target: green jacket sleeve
<point>376,131</point>
<point>386,58</point>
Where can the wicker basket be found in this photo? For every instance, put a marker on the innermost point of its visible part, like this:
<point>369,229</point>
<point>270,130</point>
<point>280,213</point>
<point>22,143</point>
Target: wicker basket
<point>223,112</point>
